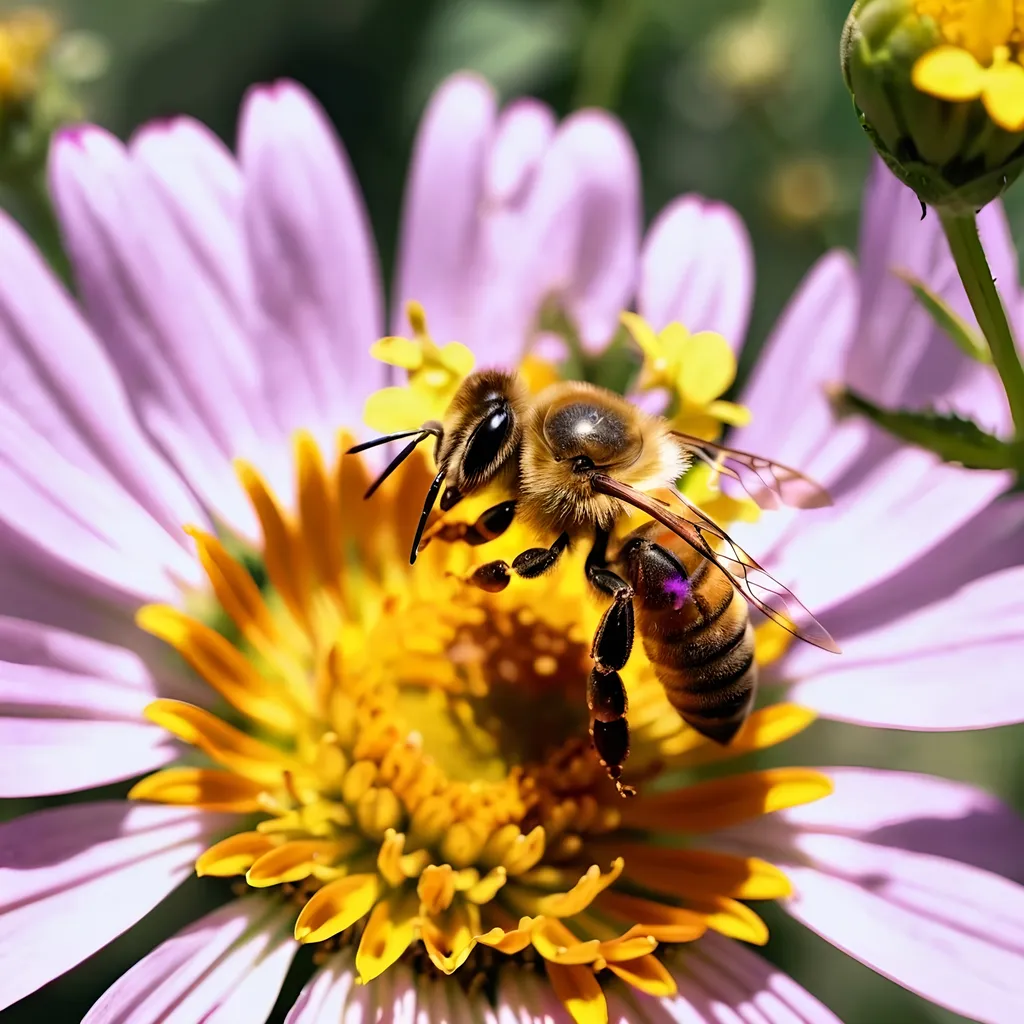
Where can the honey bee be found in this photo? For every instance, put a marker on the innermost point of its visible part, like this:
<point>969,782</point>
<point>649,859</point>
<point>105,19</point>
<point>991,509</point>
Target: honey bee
<point>576,459</point>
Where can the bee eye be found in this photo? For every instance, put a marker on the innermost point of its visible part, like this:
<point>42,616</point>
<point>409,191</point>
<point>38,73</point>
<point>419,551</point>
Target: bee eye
<point>487,442</point>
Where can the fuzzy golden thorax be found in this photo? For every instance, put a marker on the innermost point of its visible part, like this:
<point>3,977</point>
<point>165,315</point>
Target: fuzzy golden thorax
<point>574,430</point>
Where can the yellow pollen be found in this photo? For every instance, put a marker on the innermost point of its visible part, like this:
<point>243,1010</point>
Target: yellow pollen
<point>414,756</point>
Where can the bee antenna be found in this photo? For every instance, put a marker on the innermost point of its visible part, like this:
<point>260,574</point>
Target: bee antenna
<point>425,431</point>
<point>428,504</point>
<point>395,463</point>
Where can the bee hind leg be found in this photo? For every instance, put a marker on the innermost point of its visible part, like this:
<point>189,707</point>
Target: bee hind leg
<point>613,643</point>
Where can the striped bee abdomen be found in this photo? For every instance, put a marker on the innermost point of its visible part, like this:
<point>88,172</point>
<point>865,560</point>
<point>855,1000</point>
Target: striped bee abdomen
<point>696,631</point>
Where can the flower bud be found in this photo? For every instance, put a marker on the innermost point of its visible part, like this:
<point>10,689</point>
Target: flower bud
<point>939,88</point>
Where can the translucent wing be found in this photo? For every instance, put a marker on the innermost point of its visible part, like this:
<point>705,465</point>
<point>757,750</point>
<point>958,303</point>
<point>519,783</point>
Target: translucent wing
<point>768,483</point>
<point>750,579</point>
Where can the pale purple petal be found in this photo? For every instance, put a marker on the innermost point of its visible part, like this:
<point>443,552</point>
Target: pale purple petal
<point>44,756</point>
<point>697,268</point>
<point>876,870</point>
<point>902,358</point>
<point>199,181</point>
<point>227,966</point>
<point>988,542</point>
<point>898,509</point>
<point>584,218</point>
<point>911,672</point>
<point>326,994</point>
<point>314,262</point>
<point>71,522</point>
<point>71,712</point>
<point>441,224</point>
<point>522,134</point>
<point>922,813</point>
<point>58,379</point>
<point>792,418</point>
<point>721,981</point>
<point>74,878</point>
<point>524,997</point>
<point>86,502</point>
<point>176,334</point>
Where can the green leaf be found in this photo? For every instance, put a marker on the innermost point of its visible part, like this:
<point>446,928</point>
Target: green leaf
<point>968,340</point>
<point>953,438</point>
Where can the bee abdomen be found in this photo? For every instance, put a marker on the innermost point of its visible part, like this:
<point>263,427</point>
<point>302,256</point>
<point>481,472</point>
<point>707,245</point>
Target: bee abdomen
<point>701,651</point>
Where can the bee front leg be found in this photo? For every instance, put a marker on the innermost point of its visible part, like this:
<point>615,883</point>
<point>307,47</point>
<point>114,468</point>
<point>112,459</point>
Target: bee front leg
<point>496,576</point>
<point>489,525</point>
<point>613,642</point>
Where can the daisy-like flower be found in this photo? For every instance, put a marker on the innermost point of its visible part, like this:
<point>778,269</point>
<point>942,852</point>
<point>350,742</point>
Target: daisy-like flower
<point>392,766</point>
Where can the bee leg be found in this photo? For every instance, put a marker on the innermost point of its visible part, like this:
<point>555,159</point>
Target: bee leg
<point>496,576</point>
<point>491,524</point>
<point>613,642</point>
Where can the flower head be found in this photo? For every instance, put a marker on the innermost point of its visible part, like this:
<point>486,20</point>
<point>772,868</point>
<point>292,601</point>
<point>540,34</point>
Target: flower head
<point>394,767</point>
<point>907,61</point>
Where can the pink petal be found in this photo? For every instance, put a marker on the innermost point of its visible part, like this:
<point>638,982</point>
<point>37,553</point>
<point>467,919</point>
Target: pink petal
<point>228,966</point>
<point>174,331</point>
<point>792,419</point>
<point>945,931</point>
<point>74,878</point>
<point>326,994</point>
<point>200,183</point>
<point>697,268</point>
<point>522,134</point>
<point>910,673</point>
<point>876,871</point>
<point>902,358</point>
<point>440,238</point>
<point>313,259</point>
<point>57,378</point>
<point>524,997</point>
<point>46,756</point>
<point>904,503</point>
<point>585,223</point>
<point>67,520</point>
<point>921,813</point>
<point>988,542</point>
<point>792,416</point>
<point>723,982</point>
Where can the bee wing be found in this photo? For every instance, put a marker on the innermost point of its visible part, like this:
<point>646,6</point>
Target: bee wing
<point>765,593</point>
<point>768,483</point>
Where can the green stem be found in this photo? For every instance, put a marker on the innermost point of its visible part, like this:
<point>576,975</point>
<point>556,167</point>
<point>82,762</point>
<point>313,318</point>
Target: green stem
<point>606,50</point>
<point>962,233</point>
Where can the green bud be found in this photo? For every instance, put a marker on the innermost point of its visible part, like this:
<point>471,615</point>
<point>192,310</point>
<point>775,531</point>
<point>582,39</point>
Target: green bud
<point>952,154</point>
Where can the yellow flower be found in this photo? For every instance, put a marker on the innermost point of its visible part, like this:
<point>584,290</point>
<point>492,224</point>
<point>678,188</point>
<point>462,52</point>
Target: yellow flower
<point>25,38</point>
<point>434,373</point>
<point>695,369</point>
<point>410,759</point>
<point>980,57</point>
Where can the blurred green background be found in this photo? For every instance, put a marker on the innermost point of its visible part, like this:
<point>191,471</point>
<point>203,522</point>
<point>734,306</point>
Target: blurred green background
<point>741,100</point>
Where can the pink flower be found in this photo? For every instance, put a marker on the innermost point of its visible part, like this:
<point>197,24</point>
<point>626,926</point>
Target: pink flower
<point>226,302</point>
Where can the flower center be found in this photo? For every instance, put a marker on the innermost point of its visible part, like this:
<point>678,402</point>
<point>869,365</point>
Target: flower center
<point>409,756</point>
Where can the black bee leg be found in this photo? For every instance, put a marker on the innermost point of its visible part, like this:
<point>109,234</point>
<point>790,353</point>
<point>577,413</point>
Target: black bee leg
<point>495,576</point>
<point>613,642</point>
<point>491,524</point>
